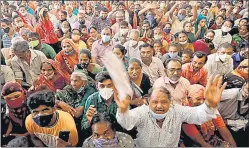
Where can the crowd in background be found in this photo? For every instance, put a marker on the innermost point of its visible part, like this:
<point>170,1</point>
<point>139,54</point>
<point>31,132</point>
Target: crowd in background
<point>54,78</point>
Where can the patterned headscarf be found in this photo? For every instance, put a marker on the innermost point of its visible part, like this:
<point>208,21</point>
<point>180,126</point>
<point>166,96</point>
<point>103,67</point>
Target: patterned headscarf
<point>71,43</point>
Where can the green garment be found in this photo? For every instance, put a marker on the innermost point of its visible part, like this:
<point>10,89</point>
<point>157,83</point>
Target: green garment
<point>48,51</point>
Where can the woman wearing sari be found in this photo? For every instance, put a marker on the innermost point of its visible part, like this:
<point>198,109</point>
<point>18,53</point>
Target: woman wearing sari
<point>68,57</point>
<point>237,77</point>
<point>51,77</point>
<point>140,82</point>
<point>46,30</point>
<point>200,26</point>
<point>15,99</point>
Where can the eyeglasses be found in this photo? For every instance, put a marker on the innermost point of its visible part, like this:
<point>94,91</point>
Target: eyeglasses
<point>67,46</point>
<point>174,70</point>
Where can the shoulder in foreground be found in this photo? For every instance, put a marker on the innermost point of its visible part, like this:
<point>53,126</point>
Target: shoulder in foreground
<point>125,140</point>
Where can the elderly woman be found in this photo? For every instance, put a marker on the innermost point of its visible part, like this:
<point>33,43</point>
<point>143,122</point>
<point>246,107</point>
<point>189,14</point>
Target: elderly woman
<point>104,127</point>
<point>15,99</point>
<point>140,82</point>
<point>68,57</point>
<point>51,77</point>
<point>237,77</point>
<point>207,129</point>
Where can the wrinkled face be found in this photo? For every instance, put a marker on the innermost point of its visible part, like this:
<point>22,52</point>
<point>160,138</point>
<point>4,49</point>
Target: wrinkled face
<point>174,70</point>
<point>42,110</point>
<point>219,20</point>
<point>118,53</point>
<point>243,30</point>
<point>134,70</point>
<point>202,22</point>
<point>186,58</point>
<point>47,70</point>
<point>157,47</point>
<point>21,54</point>
<point>159,102</point>
<point>182,37</point>
<point>76,82</point>
<point>146,54</point>
<point>198,63</point>
<point>196,101</point>
<point>228,51</point>
<point>188,27</point>
<point>67,47</point>
<point>93,33</point>
<point>102,130</point>
<point>83,58</point>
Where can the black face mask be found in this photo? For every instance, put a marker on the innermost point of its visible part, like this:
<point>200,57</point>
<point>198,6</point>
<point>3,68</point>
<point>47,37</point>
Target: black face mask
<point>224,33</point>
<point>63,20</point>
<point>43,120</point>
<point>6,30</point>
<point>207,40</point>
<point>82,21</point>
<point>83,65</point>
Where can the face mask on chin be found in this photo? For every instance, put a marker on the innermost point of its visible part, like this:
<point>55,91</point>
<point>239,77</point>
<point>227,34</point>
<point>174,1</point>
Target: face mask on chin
<point>224,57</point>
<point>157,116</point>
<point>101,142</point>
<point>184,42</point>
<point>225,29</point>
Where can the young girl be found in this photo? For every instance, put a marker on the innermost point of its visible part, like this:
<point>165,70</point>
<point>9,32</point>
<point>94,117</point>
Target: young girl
<point>187,27</point>
<point>159,52</point>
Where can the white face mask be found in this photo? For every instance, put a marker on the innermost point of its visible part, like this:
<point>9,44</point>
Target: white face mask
<point>124,31</point>
<point>173,55</point>
<point>158,116</point>
<point>106,93</point>
<point>225,29</point>
<point>224,57</point>
<point>157,37</point>
<point>20,24</point>
<point>133,43</point>
<point>173,82</point>
<point>185,42</point>
<point>56,6</point>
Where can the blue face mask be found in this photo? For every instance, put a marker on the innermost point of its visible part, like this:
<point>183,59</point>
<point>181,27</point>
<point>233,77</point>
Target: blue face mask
<point>180,17</point>
<point>105,38</point>
<point>167,30</point>
<point>80,89</point>
<point>158,116</point>
<point>173,55</point>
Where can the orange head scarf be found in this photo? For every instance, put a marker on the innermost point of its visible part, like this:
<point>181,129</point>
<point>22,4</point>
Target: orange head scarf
<point>69,41</point>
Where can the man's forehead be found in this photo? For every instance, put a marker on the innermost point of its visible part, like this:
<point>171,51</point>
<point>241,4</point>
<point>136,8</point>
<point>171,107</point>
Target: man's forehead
<point>174,64</point>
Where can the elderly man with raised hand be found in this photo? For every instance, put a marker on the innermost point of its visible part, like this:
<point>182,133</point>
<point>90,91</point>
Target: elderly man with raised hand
<point>159,124</point>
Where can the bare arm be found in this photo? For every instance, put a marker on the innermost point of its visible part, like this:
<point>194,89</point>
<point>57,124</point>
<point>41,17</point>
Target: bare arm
<point>79,111</point>
<point>226,135</point>
<point>194,11</point>
<point>170,13</point>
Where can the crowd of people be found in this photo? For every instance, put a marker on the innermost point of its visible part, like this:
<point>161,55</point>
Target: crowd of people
<point>124,73</point>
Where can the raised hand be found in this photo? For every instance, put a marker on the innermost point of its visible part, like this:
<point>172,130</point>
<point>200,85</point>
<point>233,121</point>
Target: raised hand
<point>214,90</point>
<point>122,105</point>
<point>90,113</point>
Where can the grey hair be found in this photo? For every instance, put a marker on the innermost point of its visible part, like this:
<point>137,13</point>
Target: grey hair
<point>20,45</point>
<point>136,60</point>
<point>134,31</point>
<point>79,74</point>
<point>161,89</point>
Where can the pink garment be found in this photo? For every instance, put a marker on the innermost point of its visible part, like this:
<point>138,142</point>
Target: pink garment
<point>200,45</point>
<point>179,93</point>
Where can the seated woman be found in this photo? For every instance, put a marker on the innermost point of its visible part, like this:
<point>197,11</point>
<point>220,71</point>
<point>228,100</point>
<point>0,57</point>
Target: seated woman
<point>15,99</point>
<point>92,31</point>
<point>208,130</point>
<point>68,57</point>
<point>51,77</point>
<point>120,51</point>
<point>188,27</point>
<point>65,31</point>
<point>104,127</point>
<point>200,26</point>
<point>140,82</point>
<point>237,77</point>
<point>87,67</point>
<point>183,41</point>
<point>76,39</point>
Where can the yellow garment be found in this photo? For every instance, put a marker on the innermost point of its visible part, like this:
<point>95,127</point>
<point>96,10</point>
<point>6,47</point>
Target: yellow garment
<point>81,45</point>
<point>48,134</point>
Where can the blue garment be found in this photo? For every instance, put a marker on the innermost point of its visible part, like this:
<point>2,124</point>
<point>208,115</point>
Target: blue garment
<point>75,11</point>
<point>31,11</point>
<point>7,40</point>
<point>236,59</point>
<point>199,18</point>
